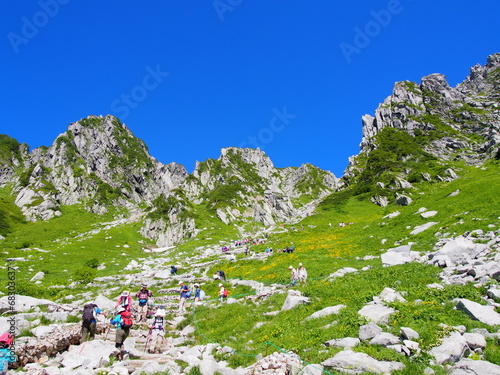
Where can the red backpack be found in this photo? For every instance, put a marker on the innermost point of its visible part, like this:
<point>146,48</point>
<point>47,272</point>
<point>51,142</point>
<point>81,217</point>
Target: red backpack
<point>126,320</point>
<point>6,338</point>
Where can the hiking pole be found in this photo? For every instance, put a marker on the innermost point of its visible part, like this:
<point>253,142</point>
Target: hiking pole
<point>109,329</point>
<point>147,341</point>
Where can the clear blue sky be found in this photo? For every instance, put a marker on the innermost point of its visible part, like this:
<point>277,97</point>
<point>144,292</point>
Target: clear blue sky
<point>189,78</point>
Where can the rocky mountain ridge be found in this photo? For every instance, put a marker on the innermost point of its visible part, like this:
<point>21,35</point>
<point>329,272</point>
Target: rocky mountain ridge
<point>99,163</point>
<point>424,131</point>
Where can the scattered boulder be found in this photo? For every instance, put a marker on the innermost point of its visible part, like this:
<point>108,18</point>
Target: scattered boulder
<point>452,349</point>
<point>346,342</point>
<point>408,334</point>
<point>385,339</point>
<point>369,331</point>
<point>330,310</point>
<point>22,303</point>
<point>358,363</point>
<point>293,299</point>
<point>390,295</point>
<point>398,255</point>
<point>485,314</point>
<point>460,250</point>
<point>420,228</point>
<point>403,200</point>
<point>428,214</point>
<point>376,313</point>
<point>468,366</point>
<point>312,370</point>
<point>475,340</point>
<point>38,276</point>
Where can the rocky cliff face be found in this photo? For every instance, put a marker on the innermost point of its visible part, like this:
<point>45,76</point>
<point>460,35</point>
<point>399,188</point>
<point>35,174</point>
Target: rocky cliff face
<point>455,116</point>
<point>96,162</point>
<point>99,163</point>
<point>451,124</point>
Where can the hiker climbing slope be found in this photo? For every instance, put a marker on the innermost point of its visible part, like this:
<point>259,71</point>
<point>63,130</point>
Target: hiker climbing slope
<point>157,332</point>
<point>125,301</point>
<point>123,322</point>
<point>184,294</point>
<point>143,296</point>
<point>89,321</point>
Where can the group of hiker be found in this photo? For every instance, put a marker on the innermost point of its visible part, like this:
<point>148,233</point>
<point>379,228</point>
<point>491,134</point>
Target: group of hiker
<point>298,275</point>
<point>122,319</point>
<point>199,295</point>
<point>123,322</point>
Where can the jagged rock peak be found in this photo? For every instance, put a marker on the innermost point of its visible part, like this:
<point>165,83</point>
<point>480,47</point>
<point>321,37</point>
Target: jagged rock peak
<point>433,104</point>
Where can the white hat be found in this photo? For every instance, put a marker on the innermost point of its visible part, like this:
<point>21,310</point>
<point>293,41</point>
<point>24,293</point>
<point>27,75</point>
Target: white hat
<point>290,268</point>
<point>120,310</point>
<point>160,312</point>
<point>196,285</point>
<point>125,293</point>
<point>180,283</point>
<point>221,285</point>
<point>300,264</point>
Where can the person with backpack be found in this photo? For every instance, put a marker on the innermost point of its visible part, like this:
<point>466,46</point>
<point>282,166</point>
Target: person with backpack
<point>143,296</point>
<point>173,270</point>
<point>223,293</point>
<point>199,295</point>
<point>89,321</point>
<point>184,294</point>
<point>123,321</point>
<point>125,301</point>
<point>302,274</point>
<point>157,332</point>
<point>6,352</point>
<point>222,275</point>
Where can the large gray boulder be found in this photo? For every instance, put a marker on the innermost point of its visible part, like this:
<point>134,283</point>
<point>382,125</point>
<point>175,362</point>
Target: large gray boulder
<point>357,363</point>
<point>293,299</point>
<point>104,303</point>
<point>385,339</point>
<point>452,349</point>
<point>393,258</point>
<point>485,314</point>
<point>475,340</point>
<point>330,310</point>
<point>369,331</point>
<point>346,342</point>
<point>471,367</point>
<point>208,367</point>
<point>420,228</point>
<point>376,313</point>
<point>90,355</point>
<point>311,370</point>
<point>22,303</point>
<point>407,333</point>
<point>390,295</point>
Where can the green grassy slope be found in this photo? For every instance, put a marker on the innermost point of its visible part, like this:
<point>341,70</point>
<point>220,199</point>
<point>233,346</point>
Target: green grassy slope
<point>321,245</point>
<point>324,249</point>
